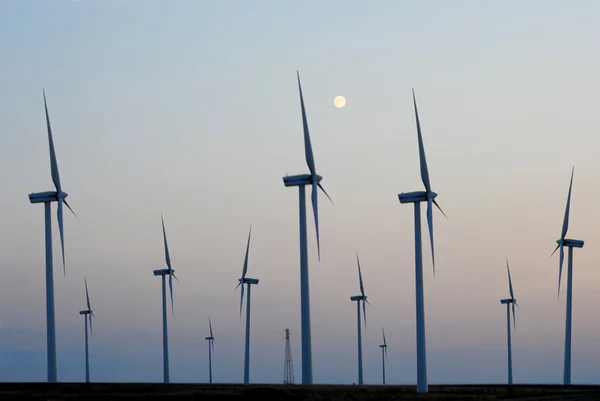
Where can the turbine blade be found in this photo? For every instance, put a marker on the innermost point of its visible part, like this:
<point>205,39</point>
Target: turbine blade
<point>555,249</point>
<point>385,348</point>
<point>430,224</point>
<point>212,344</point>
<point>326,194</point>
<point>67,205</point>
<point>210,325</point>
<point>440,209</point>
<point>174,276</point>
<point>90,317</point>
<point>510,287</point>
<point>560,266</point>
<point>53,163</point>
<point>315,205</point>
<point>245,268</point>
<point>167,257</point>
<point>514,318</point>
<point>422,159</point>
<point>360,280</point>
<point>171,292</point>
<point>383,331</point>
<point>308,153</point>
<point>365,312</point>
<point>61,231</point>
<point>565,226</point>
<point>241,299</point>
<point>87,295</point>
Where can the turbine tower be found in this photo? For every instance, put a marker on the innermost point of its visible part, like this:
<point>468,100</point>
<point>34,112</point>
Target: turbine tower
<point>88,313</point>
<point>417,197</point>
<point>211,349</point>
<point>569,243</point>
<point>358,298</point>
<point>47,198</point>
<point>162,273</point>
<point>301,181</point>
<point>509,301</point>
<point>288,365</point>
<point>249,281</point>
<point>383,354</point>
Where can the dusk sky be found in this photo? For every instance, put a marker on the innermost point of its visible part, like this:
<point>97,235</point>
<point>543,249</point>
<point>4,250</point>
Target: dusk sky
<point>191,108</point>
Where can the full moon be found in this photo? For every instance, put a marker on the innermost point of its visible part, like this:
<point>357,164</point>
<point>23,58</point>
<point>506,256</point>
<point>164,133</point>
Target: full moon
<point>339,101</point>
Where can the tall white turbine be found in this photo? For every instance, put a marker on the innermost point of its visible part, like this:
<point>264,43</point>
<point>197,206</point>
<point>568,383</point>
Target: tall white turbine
<point>162,273</point>
<point>383,354</point>
<point>358,298</point>
<point>417,197</point>
<point>301,181</point>
<point>569,243</point>
<point>509,301</point>
<point>211,349</point>
<point>46,198</point>
<point>249,282</point>
<point>87,314</point>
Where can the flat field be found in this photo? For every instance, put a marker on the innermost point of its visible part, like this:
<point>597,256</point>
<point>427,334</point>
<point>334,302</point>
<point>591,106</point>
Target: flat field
<point>221,392</point>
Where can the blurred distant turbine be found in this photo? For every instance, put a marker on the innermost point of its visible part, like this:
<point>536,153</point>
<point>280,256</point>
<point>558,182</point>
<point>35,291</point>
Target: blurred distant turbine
<point>87,314</point>
<point>249,282</point>
<point>569,243</point>
<point>301,181</point>
<point>358,298</point>
<point>417,197</point>
<point>162,273</point>
<point>211,349</point>
<point>46,198</point>
<point>383,354</point>
<point>509,302</point>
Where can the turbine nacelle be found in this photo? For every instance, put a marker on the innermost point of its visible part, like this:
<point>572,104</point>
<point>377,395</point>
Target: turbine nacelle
<point>574,243</point>
<point>247,280</point>
<point>508,301</point>
<point>417,196</point>
<point>209,338</point>
<point>300,179</point>
<point>85,312</point>
<point>163,272</point>
<point>49,196</point>
<point>383,346</point>
<point>358,298</point>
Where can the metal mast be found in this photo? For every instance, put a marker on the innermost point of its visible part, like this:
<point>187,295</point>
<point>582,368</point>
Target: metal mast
<point>288,366</point>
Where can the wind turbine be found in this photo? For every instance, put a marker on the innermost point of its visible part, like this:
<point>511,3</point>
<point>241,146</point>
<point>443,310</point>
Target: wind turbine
<point>249,281</point>
<point>358,298</point>
<point>88,313</point>
<point>47,198</point>
<point>510,301</point>
<point>569,243</point>
<point>211,349</point>
<point>417,197</point>
<point>162,273</point>
<point>301,181</point>
<point>383,354</point>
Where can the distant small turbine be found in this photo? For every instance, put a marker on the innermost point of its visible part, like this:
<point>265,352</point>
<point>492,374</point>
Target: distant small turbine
<point>46,198</point>
<point>383,354</point>
<point>301,181</point>
<point>249,281</point>
<point>358,298</point>
<point>570,243</point>
<point>417,197</point>
<point>162,273</point>
<point>509,301</point>
<point>88,313</point>
<point>211,349</point>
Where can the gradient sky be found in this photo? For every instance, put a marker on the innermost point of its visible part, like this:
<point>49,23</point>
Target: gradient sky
<point>190,108</point>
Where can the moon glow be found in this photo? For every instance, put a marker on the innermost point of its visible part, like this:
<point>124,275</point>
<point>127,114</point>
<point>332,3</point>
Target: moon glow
<point>339,101</point>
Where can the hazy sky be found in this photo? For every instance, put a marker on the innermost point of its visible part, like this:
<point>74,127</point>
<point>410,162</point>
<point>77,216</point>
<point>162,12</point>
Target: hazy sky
<point>190,108</point>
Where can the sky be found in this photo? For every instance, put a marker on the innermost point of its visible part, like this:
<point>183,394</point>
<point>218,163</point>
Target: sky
<point>190,108</point>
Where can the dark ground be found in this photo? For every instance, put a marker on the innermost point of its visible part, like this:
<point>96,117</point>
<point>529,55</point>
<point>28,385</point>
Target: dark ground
<point>221,392</point>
